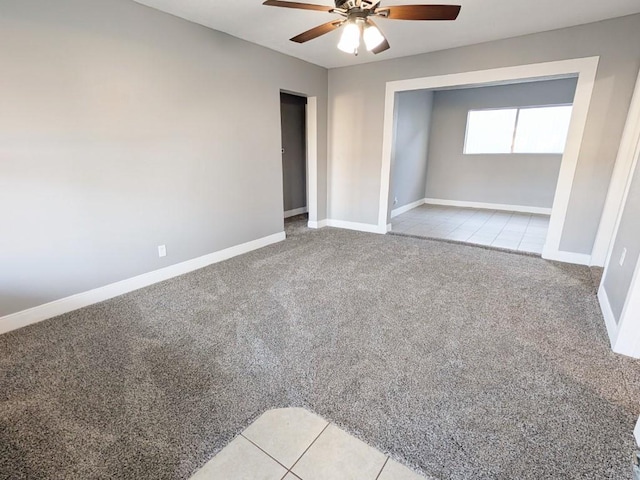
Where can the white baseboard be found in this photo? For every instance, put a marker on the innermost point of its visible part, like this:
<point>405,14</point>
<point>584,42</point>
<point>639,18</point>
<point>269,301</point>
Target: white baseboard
<point>318,224</point>
<point>407,207</point>
<point>636,432</point>
<point>295,211</point>
<point>361,227</point>
<point>609,317</point>
<point>567,257</point>
<point>388,227</point>
<point>490,206</point>
<point>84,299</point>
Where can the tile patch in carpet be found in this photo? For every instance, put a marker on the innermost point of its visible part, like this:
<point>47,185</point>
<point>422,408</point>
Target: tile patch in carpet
<point>295,443</point>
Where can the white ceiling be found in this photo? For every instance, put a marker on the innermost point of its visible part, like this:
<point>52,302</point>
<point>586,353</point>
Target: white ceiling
<point>479,21</point>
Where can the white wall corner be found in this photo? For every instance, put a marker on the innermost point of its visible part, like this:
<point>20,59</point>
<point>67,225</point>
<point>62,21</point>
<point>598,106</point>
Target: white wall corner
<point>607,313</point>
<point>312,157</point>
<point>565,257</point>
<point>407,207</point>
<point>620,179</point>
<point>360,227</point>
<point>628,337</point>
<point>318,224</point>
<point>64,305</point>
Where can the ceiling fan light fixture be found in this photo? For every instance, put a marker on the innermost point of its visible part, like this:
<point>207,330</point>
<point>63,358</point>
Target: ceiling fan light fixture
<point>350,39</point>
<point>372,37</point>
<point>358,27</point>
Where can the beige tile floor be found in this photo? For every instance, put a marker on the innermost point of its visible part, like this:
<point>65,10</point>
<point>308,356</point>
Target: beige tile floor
<point>295,444</point>
<point>516,231</point>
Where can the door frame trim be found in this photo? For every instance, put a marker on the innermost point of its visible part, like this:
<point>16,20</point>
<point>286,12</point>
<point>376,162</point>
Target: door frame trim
<point>618,187</point>
<point>312,160</point>
<point>584,68</point>
<point>311,141</point>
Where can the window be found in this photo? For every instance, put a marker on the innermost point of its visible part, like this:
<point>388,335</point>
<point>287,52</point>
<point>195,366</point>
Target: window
<point>490,131</point>
<point>518,130</point>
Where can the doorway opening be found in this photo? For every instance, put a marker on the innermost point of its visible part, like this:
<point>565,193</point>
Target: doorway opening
<point>293,112</point>
<point>480,164</point>
<point>582,68</point>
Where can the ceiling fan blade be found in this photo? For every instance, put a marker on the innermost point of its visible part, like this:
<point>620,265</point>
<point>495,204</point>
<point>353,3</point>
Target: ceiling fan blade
<point>420,12</point>
<point>384,45</point>
<point>301,6</point>
<point>317,31</point>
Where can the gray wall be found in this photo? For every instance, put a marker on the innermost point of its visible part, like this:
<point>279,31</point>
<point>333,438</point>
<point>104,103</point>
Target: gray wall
<point>356,112</point>
<point>123,128</point>
<point>618,278</point>
<point>513,179</point>
<point>410,146</point>
<point>294,158</point>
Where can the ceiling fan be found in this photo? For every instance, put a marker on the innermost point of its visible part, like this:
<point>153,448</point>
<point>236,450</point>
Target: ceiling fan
<point>358,24</point>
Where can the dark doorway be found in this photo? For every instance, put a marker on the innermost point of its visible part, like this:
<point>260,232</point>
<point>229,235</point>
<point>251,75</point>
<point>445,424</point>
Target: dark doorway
<point>294,156</point>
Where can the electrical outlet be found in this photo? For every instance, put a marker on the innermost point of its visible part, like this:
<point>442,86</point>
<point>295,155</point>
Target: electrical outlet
<point>162,250</point>
<point>622,257</point>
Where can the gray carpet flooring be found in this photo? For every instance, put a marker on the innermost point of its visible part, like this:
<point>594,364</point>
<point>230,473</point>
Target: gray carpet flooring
<point>460,361</point>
